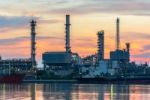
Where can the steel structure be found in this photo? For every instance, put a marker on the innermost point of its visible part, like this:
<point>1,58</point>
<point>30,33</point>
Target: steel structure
<point>33,43</point>
<point>100,45</point>
<point>128,50</point>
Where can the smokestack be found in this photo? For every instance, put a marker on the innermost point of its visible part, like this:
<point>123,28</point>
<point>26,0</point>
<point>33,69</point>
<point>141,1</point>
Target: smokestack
<point>68,48</point>
<point>100,45</point>
<point>128,50</point>
<point>118,34</point>
<point>33,49</point>
<point>128,47</point>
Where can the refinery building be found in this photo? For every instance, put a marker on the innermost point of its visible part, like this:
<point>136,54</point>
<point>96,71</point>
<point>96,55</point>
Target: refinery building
<point>66,62</point>
<point>62,62</point>
<point>22,64</point>
<point>118,58</point>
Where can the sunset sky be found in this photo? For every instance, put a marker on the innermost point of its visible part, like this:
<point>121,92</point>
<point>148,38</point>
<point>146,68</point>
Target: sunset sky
<point>87,18</point>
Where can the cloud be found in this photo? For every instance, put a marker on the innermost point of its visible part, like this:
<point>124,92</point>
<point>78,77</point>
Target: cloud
<point>14,21</point>
<point>44,43</point>
<point>26,7</point>
<point>147,47</point>
<point>140,60</point>
<point>129,7</point>
<point>15,16</point>
<point>20,46</point>
<point>11,41</point>
<point>143,55</point>
<point>48,21</point>
<point>13,47</point>
<point>11,24</point>
<point>18,21</point>
<point>135,35</point>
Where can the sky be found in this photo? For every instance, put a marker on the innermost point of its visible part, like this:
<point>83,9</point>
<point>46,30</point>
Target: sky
<point>87,18</point>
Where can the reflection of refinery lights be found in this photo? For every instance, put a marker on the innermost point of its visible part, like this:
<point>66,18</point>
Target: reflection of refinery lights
<point>111,92</point>
<point>4,92</point>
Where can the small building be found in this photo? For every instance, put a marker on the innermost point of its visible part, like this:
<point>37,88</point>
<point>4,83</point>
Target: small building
<point>61,63</point>
<point>56,58</point>
<point>108,66</point>
<point>120,55</point>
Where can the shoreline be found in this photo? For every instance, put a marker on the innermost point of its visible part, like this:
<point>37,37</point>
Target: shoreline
<point>89,81</point>
<point>49,81</point>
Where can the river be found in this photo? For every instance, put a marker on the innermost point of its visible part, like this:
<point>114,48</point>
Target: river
<point>69,91</point>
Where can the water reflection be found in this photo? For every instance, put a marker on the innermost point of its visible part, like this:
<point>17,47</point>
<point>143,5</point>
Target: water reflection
<point>60,91</point>
<point>33,91</point>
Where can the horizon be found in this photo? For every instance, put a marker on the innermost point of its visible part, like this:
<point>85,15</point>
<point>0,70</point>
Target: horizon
<point>86,20</point>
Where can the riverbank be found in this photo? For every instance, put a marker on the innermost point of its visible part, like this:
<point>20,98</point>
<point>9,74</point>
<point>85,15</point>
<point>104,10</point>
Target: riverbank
<point>50,81</point>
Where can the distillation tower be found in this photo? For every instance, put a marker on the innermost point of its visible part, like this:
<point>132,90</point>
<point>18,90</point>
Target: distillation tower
<point>100,45</point>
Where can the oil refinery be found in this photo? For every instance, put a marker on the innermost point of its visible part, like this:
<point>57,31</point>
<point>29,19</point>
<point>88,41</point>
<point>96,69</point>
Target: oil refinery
<point>68,64</point>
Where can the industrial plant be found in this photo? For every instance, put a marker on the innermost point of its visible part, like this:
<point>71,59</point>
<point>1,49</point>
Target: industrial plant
<point>119,64</point>
<point>64,62</point>
<point>21,64</point>
<point>118,58</point>
<point>68,64</point>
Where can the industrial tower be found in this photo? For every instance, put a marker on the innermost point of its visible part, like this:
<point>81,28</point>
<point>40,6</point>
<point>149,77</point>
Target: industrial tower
<point>122,56</point>
<point>118,34</point>
<point>128,50</point>
<point>68,48</point>
<point>100,45</point>
<point>33,49</point>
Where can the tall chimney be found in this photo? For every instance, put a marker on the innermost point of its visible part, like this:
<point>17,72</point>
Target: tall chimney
<point>33,49</point>
<point>68,48</point>
<point>128,50</point>
<point>128,47</point>
<point>118,34</point>
<point>100,45</point>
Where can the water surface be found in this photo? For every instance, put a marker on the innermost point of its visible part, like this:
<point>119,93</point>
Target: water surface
<point>60,91</point>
